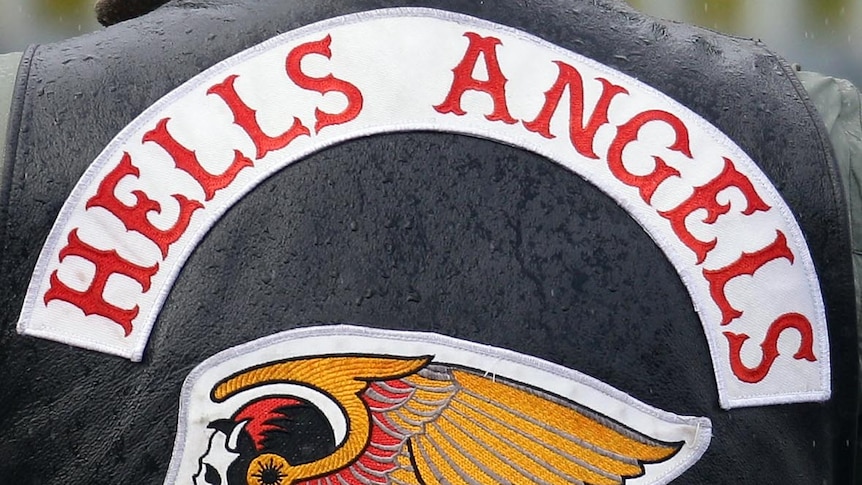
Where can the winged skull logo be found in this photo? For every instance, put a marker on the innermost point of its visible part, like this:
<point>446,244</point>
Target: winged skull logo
<point>413,422</point>
<point>415,418</point>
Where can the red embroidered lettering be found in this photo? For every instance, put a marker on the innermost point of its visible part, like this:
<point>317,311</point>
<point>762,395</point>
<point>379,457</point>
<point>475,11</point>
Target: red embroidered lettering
<point>187,161</point>
<point>581,136</point>
<point>323,85</point>
<point>704,197</point>
<point>627,133</point>
<point>246,118</point>
<point>91,301</point>
<point>464,81</point>
<point>134,217</point>
<point>747,264</point>
<point>769,347</point>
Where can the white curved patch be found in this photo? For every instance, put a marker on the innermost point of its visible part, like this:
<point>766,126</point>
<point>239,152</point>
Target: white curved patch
<point>197,409</point>
<point>111,259</point>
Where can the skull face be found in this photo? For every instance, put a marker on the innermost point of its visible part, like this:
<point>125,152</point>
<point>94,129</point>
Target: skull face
<point>220,454</point>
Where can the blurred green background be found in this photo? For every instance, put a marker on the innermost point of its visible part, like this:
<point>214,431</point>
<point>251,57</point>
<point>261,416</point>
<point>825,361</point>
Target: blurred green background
<point>821,35</point>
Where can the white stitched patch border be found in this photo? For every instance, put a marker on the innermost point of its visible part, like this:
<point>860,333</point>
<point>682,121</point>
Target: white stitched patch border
<point>755,289</point>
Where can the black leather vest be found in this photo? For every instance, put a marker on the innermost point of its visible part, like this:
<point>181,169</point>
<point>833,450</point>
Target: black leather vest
<point>500,247</point>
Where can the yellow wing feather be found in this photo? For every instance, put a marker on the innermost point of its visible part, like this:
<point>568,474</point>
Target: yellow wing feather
<point>468,429</point>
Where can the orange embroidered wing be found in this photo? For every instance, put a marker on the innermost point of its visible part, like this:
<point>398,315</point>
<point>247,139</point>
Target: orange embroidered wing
<point>449,426</point>
<point>498,432</point>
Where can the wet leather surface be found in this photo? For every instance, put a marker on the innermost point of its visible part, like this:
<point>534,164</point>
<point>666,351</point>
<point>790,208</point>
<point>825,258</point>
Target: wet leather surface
<point>424,231</point>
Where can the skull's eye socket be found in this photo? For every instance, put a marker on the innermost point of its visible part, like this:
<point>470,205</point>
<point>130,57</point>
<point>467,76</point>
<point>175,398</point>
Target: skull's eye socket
<point>211,475</point>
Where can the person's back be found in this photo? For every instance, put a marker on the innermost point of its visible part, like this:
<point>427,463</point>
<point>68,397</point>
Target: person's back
<point>421,242</point>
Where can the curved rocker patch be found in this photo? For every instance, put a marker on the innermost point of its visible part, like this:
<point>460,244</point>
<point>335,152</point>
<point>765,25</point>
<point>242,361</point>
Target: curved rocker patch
<point>420,409</point>
<point>145,202</point>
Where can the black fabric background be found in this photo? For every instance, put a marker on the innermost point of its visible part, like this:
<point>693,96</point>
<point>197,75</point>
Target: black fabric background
<point>424,231</point>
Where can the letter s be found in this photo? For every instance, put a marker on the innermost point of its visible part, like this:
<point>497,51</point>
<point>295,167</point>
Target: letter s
<point>770,347</point>
<point>323,85</point>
